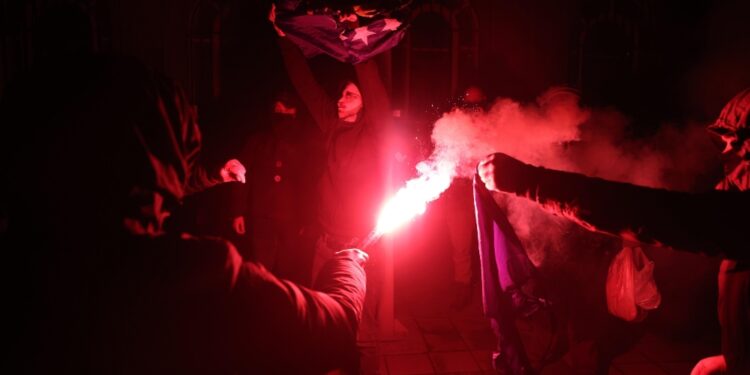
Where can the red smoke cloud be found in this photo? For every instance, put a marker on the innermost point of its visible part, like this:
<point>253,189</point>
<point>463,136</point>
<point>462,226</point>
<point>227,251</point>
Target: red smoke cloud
<point>556,132</point>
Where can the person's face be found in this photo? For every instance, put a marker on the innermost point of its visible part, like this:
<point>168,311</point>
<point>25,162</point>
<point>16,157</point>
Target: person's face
<point>350,103</point>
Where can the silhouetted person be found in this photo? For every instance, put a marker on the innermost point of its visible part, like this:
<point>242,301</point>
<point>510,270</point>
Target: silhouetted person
<point>103,150</point>
<point>283,159</point>
<point>352,187</point>
<point>457,208</point>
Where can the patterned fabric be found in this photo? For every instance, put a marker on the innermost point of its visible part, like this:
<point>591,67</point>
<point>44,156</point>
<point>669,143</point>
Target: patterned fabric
<point>506,267</point>
<point>316,33</point>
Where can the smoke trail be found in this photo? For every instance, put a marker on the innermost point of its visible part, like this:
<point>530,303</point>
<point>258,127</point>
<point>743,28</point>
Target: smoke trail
<point>530,132</point>
<point>556,132</point>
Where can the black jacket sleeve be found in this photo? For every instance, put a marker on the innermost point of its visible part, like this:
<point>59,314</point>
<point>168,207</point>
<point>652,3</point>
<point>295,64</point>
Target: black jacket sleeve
<point>695,222</point>
<point>284,328</point>
<point>374,95</point>
<point>184,302</point>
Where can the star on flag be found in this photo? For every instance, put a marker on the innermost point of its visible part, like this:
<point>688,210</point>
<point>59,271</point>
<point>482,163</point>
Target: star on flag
<point>361,33</point>
<point>391,24</point>
<point>322,33</point>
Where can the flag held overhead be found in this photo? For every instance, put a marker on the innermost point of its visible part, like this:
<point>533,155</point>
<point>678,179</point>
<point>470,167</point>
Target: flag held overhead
<point>317,33</point>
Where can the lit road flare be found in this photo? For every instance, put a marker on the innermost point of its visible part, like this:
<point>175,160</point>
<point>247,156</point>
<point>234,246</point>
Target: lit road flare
<point>412,199</point>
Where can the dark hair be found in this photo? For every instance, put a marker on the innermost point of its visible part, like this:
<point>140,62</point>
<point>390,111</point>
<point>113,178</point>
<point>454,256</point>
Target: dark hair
<point>342,85</point>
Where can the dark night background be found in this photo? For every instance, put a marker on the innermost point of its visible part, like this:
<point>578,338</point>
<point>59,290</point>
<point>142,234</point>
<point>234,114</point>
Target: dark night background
<point>655,61</point>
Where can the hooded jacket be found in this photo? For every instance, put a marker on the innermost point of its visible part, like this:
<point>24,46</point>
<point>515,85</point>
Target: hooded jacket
<point>104,149</point>
<point>352,187</point>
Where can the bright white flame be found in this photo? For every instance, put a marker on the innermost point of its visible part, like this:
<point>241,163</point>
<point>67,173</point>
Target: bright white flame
<point>412,199</point>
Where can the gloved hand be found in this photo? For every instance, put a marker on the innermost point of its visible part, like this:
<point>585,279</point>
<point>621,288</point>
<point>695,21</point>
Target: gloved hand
<point>498,170</point>
<point>233,170</point>
<point>357,255</point>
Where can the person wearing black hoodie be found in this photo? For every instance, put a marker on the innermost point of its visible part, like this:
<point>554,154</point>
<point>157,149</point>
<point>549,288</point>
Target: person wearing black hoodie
<point>102,151</point>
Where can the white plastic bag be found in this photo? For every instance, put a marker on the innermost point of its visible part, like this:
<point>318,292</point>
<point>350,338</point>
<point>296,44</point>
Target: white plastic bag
<point>631,289</point>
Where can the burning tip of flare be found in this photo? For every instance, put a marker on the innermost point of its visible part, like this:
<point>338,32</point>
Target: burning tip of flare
<point>398,211</point>
<point>412,200</point>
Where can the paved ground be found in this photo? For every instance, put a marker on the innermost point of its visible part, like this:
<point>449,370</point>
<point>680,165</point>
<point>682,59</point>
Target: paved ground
<point>461,342</point>
<point>441,340</point>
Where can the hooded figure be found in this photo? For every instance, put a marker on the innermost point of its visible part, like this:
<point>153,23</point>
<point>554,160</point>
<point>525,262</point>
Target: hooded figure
<point>102,151</point>
<point>733,127</point>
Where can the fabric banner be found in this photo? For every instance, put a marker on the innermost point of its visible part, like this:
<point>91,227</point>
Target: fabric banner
<point>506,268</point>
<point>317,33</point>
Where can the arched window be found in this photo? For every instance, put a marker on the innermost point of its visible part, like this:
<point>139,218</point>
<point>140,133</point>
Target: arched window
<point>19,20</point>
<point>204,41</point>
<point>466,47</point>
<point>15,39</point>
<point>609,49</point>
<point>438,55</point>
<point>428,60</point>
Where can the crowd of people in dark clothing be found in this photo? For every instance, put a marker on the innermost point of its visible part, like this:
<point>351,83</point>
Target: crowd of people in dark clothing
<point>104,152</point>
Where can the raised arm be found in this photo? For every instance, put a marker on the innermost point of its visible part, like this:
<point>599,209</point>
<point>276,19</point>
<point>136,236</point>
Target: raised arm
<point>374,95</point>
<point>321,106</point>
<point>695,222</point>
<point>283,327</point>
